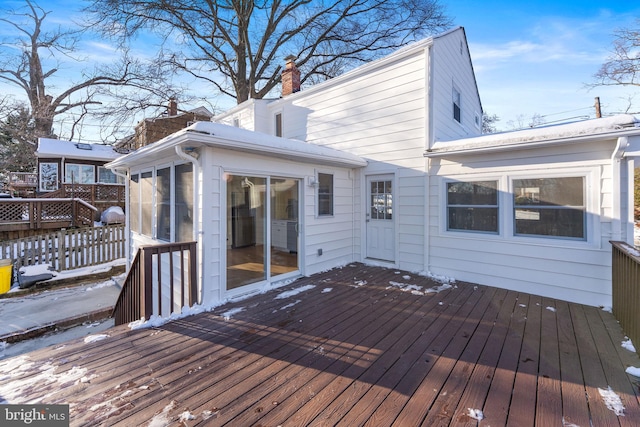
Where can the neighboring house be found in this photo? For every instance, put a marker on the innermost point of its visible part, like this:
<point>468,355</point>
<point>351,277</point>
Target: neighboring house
<point>73,163</point>
<point>358,169</point>
<point>149,131</point>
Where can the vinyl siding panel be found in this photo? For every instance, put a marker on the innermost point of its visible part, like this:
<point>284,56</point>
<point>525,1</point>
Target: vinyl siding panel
<point>578,271</point>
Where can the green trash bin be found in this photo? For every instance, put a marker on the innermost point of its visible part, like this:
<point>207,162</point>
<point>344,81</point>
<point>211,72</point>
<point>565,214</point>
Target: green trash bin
<point>6,270</point>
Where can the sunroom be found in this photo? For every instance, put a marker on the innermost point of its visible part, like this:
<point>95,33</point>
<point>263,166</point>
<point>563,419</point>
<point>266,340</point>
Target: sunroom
<point>262,209</point>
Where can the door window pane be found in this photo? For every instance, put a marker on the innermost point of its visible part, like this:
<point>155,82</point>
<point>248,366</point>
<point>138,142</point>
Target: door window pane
<point>381,202</point>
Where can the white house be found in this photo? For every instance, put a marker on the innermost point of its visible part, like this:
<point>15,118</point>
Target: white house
<point>366,167</point>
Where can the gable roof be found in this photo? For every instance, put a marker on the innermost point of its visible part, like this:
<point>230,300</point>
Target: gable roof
<point>229,137</point>
<point>610,127</point>
<point>57,148</point>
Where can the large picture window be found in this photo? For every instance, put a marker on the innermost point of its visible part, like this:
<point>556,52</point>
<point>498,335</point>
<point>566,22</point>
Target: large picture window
<point>550,207</point>
<point>472,206</point>
<point>106,176</point>
<point>79,174</point>
<point>48,176</point>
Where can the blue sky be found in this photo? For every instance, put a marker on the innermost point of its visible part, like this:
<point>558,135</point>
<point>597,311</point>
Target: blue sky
<point>537,57</point>
<point>530,58</point>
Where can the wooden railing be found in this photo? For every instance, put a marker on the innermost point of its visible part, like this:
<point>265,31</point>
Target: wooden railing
<point>23,184</point>
<point>67,249</point>
<point>102,196</point>
<point>162,280</point>
<point>38,213</point>
<point>625,277</point>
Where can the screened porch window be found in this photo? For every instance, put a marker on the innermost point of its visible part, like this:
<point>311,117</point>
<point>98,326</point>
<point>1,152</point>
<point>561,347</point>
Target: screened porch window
<point>472,206</point>
<point>163,203</point>
<point>184,202</point>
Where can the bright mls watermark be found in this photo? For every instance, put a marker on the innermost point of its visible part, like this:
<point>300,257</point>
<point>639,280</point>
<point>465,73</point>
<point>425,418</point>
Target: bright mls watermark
<point>34,415</point>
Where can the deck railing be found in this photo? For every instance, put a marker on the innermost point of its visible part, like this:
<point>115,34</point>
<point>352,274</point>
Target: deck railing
<point>162,280</point>
<point>38,213</point>
<point>67,249</point>
<point>102,196</point>
<point>626,288</point>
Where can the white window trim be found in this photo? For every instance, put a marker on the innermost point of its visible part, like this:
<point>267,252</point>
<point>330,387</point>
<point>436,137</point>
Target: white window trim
<point>80,165</point>
<point>57,181</point>
<point>505,207</point>
<point>317,194</point>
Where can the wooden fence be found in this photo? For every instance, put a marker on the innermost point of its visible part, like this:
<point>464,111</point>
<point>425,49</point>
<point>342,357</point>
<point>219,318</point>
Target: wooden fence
<point>161,281</point>
<point>42,214</point>
<point>626,288</point>
<point>68,249</point>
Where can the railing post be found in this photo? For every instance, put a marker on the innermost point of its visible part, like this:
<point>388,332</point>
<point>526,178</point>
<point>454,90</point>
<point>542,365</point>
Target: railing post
<point>193,273</point>
<point>146,299</point>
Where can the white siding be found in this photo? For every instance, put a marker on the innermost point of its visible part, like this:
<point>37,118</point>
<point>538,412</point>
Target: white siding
<point>577,271</point>
<point>382,111</point>
<point>451,66</point>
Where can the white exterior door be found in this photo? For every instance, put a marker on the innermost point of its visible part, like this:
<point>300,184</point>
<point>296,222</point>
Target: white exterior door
<point>379,218</point>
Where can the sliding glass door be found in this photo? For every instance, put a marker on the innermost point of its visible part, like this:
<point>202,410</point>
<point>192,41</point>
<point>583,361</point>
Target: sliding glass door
<point>262,231</point>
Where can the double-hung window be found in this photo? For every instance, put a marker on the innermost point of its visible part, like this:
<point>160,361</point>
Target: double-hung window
<point>472,206</point>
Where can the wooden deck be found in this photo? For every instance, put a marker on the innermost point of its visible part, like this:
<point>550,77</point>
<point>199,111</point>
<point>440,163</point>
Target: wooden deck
<point>354,349</point>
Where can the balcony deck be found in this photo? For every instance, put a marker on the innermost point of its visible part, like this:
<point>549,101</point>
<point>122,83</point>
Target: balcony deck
<point>357,347</point>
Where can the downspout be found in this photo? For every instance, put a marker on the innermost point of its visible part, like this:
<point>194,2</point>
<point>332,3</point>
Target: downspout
<point>427,164</point>
<point>196,215</point>
<point>127,230</point>
<point>616,170</point>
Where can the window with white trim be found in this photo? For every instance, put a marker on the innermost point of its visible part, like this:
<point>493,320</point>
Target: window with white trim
<point>457,105</point>
<point>79,174</point>
<point>325,194</point>
<point>472,206</point>
<point>552,207</point>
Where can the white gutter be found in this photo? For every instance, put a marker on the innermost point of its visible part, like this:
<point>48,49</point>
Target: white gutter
<point>523,144</point>
<point>616,208</point>
<point>197,232</point>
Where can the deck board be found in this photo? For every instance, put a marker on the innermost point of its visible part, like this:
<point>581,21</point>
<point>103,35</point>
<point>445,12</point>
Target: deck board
<point>351,350</point>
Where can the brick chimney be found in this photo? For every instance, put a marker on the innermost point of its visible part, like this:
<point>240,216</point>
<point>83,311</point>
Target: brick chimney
<point>172,110</point>
<point>290,77</point>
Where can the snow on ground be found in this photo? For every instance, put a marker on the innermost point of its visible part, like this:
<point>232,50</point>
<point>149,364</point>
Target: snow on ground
<point>632,370</point>
<point>53,339</point>
<point>612,400</point>
<point>326,290</point>
<point>628,345</point>
<point>476,414</point>
<point>34,270</point>
<point>295,291</point>
<point>227,315</point>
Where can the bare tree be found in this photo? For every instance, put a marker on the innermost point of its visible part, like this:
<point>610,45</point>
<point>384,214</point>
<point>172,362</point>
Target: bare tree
<point>238,46</point>
<point>23,65</point>
<point>489,123</point>
<point>623,65</point>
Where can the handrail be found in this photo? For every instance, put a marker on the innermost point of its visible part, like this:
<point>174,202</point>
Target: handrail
<point>625,281</point>
<point>151,283</point>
